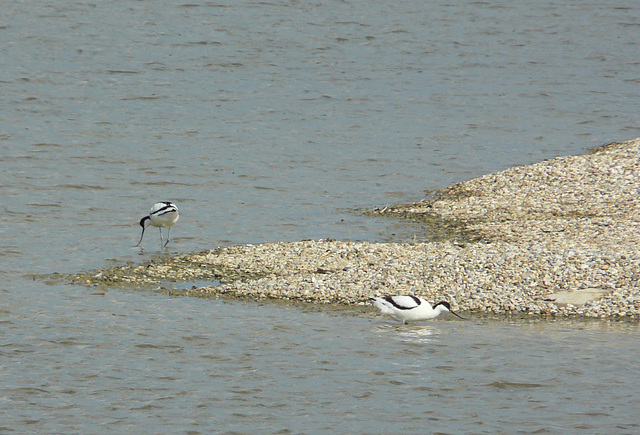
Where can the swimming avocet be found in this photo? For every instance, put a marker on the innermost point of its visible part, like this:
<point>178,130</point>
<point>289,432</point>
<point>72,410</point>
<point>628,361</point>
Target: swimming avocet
<point>410,308</point>
<point>162,215</point>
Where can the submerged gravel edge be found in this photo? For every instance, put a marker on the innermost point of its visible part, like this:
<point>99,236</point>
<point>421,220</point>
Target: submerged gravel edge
<point>538,239</point>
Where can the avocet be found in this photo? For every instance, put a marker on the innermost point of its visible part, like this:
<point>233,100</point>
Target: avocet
<point>411,308</point>
<point>162,215</point>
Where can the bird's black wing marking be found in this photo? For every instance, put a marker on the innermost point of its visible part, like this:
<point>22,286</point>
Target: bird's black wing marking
<point>169,208</point>
<point>397,302</point>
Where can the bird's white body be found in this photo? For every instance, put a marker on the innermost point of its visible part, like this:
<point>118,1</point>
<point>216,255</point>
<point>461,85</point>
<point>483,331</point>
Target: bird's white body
<point>410,308</point>
<point>162,215</point>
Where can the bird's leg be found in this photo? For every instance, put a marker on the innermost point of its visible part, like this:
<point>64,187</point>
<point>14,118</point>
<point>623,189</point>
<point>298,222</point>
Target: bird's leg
<point>161,241</point>
<point>168,236</point>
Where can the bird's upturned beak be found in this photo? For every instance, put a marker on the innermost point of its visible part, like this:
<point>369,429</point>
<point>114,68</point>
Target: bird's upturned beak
<point>141,236</point>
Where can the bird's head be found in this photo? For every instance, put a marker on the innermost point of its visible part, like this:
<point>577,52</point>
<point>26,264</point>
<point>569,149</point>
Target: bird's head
<point>446,307</point>
<point>145,221</point>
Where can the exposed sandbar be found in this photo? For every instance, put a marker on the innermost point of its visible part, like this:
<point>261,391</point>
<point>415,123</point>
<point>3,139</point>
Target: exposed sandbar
<point>565,229</point>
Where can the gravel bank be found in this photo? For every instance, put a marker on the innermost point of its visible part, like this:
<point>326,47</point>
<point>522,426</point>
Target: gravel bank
<point>556,238</point>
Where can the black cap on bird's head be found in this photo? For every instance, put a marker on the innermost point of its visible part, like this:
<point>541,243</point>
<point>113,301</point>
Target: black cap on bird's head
<point>143,220</point>
<point>444,304</point>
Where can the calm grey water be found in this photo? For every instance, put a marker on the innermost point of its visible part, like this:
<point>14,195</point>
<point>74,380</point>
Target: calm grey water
<point>271,121</point>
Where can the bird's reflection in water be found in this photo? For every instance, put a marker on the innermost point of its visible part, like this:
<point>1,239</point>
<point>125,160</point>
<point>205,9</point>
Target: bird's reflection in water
<point>414,333</point>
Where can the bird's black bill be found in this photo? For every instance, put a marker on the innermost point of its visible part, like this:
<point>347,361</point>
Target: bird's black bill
<point>141,236</point>
<point>459,317</point>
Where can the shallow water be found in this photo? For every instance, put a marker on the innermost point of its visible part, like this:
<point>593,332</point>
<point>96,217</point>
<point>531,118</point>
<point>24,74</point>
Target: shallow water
<point>279,121</point>
<point>127,361</point>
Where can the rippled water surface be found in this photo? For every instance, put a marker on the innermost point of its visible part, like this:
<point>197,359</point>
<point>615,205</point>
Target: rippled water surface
<point>271,121</point>
<point>119,361</point>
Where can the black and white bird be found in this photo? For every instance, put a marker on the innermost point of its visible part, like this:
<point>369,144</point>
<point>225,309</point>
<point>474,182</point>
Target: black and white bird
<point>410,308</point>
<point>162,215</point>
